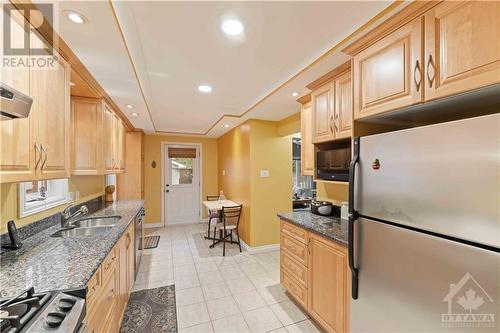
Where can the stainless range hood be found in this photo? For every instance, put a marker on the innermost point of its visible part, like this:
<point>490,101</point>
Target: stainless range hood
<point>13,103</point>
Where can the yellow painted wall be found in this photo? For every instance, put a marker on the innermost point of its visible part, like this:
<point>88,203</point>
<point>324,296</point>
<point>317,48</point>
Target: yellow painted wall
<point>89,187</point>
<point>152,176</point>
<point>234,160</point>
<point>289,125</point>
<point>269,196</point>
<point>244,151</point>
<point>335,193</point>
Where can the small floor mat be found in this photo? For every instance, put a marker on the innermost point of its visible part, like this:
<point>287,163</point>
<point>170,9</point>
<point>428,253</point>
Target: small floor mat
<point>151,311</point>
<point>150,241</point>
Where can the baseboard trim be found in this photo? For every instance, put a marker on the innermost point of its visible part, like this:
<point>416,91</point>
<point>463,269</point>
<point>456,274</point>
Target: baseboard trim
<point>153,225</point>
<point>259,249</point>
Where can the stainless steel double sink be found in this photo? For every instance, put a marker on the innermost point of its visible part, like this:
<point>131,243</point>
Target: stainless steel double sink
<point>88,227</point>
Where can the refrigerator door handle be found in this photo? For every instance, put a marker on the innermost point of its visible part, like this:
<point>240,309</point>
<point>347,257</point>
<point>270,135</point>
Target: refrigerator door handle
<point>353,268</point>
<point>352,169</point>
<point>353,216</point>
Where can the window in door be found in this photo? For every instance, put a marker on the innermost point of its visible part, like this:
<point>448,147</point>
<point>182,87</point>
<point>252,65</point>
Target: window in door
<point>182,161</point>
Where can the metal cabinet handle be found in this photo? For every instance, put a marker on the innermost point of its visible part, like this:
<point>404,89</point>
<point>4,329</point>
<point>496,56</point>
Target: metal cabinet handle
<point>417,72</point>
<point>431,76</point>
<point>331,120</point>
<point>45,160</point>
<point>39,158</point>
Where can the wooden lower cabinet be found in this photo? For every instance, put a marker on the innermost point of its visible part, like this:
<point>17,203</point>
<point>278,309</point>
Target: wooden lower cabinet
<point>109,289</point>
<point>327,293</point>
<point>319,285</point>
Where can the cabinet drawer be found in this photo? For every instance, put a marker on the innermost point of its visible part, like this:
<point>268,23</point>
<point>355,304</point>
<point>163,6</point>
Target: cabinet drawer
<point>93,288</point>
<point>296,233</point>
<point>109,264</point>
<point>294,288</point>
<point>296,250</point>
<point>295,269</point>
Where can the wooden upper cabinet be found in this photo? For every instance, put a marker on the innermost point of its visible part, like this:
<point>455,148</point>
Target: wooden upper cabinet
<point>388,74</point>
<point>18,153</point>
<point>121,146</point>
<point>113,142</point>
<point>37,147</point>
<point>462,47</point>
<point>86,135</point>
<point>343,106</point>
<point>322,111</point>
<point>307,147</point>
<point>51,103</point>
<point>109,139</point>
<point>328,284</point>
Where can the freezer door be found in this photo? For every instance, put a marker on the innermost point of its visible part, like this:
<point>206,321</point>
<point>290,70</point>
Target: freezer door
<point>443,178</point>
<point>410,282</point>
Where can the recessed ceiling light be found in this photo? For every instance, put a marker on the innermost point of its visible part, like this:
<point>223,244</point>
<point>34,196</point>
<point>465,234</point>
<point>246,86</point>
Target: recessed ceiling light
<point>232,27</point>
<point>129,106</point>
<point>75,17</point>
<point>226,125</point>
<point>205,88</point>
<point>134,114</point>
<point>72,83</point>
<point>295,94</point>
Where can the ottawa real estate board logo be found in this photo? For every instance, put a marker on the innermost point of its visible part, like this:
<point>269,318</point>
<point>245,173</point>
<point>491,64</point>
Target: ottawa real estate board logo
<point>469,305</point>
<point>23,46</point>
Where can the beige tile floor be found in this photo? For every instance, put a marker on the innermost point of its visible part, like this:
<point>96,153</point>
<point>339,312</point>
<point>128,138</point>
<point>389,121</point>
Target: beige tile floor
<point>236,293</point>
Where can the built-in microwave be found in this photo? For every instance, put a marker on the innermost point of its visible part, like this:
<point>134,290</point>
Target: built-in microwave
<point>333,164</point>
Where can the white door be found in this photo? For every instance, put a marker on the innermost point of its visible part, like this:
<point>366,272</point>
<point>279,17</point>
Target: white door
<point>182,184</point>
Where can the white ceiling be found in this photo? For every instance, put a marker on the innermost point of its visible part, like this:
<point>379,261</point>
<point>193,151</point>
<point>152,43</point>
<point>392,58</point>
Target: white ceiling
<point>175,46</point>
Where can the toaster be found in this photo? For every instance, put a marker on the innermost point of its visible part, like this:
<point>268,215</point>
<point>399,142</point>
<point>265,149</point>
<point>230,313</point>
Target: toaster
<point>324,208</point>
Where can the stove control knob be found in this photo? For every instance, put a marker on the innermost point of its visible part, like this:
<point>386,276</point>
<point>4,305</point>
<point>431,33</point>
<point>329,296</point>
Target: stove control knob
<point>54,319</point>
<point>66,304</point>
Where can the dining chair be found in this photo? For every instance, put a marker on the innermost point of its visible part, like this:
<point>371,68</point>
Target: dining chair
<point>231,217</point>
<point>212,215</point>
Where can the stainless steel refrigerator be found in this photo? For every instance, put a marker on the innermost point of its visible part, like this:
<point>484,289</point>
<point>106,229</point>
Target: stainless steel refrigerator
<point>424,229</point>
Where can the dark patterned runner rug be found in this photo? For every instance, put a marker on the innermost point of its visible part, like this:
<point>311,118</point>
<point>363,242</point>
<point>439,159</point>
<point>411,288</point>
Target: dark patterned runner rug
<point>151,311</point>
<point>150,241</point>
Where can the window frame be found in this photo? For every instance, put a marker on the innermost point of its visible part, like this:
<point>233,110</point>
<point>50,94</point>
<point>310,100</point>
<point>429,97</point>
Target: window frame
<point>60,190</point>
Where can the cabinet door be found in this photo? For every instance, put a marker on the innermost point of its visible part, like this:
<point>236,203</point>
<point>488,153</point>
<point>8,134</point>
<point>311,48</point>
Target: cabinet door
<point>462,46</point>
<point>343,106</point>
<point>121,146</point>
<point>18,153</point>
<point>116,143</point>
<point>86,136</point>
<point>131,258</point>
<point>122,268</point>
<point>51,103</point>
<point>322,114</point>
<point>307,147</point>
<point>388,74</point>
<point>328,286</point>
<point>108,139</point>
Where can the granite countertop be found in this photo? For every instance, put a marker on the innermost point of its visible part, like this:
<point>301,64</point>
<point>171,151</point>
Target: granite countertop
<point>52,263</point>
<point>330,227</point>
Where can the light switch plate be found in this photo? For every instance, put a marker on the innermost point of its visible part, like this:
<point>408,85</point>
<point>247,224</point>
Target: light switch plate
<point>264,173</point>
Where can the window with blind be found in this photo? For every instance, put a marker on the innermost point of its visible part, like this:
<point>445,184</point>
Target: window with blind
<point>182,160</point>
